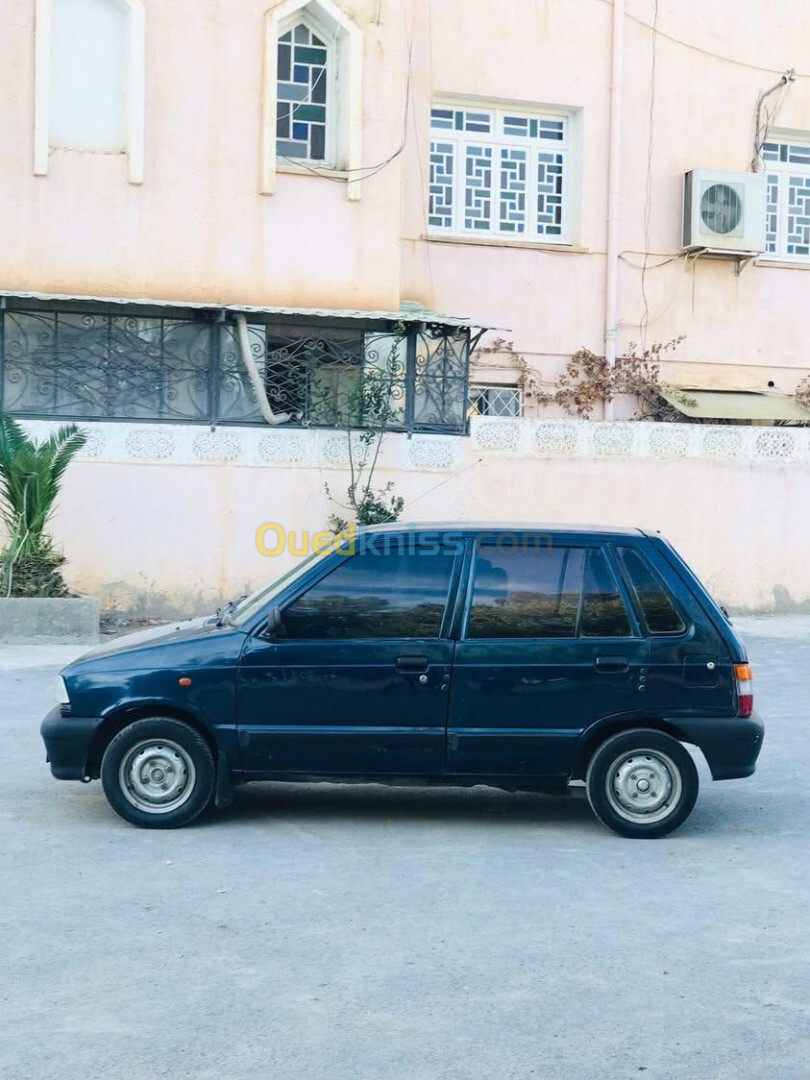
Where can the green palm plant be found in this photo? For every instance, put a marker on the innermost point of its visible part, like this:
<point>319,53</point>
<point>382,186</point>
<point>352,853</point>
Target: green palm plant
<point>30,478</point>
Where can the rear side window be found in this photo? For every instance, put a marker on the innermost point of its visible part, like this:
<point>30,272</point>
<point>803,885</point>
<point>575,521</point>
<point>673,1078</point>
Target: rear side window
<point>603,610</point>
<point>526,592</point>
<point>655,603</point>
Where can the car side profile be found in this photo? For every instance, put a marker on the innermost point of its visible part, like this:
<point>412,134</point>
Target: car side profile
<point>523,657</point>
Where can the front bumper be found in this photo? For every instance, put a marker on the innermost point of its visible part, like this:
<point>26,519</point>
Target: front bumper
<point>67,743</point>
<point>730,744</point>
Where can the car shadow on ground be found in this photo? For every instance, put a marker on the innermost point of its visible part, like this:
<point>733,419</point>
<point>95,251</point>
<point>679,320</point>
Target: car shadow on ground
<point>367,802</point>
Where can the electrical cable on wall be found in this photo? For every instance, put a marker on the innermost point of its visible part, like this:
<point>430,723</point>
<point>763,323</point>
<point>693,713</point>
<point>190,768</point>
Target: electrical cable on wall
<point>707,52</point>
<point>365,172</point>
<point>761,129</point>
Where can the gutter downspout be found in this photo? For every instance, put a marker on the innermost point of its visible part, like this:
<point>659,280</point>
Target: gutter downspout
<point>614,192</point>
<point>255,376</point>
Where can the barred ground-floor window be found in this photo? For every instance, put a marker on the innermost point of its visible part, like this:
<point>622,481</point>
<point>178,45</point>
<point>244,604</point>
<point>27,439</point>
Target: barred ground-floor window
<point>81,360</point>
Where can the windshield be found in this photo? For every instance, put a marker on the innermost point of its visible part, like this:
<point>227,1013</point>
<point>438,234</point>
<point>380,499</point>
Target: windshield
<point>254,603</point>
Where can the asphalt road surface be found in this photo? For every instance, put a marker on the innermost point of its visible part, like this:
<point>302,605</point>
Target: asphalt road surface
<point>426,934</point>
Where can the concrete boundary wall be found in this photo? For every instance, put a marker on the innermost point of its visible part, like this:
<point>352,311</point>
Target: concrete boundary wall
<point>162,519</point>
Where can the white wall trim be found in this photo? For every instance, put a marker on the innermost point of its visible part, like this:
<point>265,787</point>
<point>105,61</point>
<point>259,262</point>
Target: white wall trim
<point>317,448</point>
<point>136,88</point>
<point>349,51</point>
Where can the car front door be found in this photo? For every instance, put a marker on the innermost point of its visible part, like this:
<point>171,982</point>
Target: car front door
<point>355,678</point>
<point>547,647</point>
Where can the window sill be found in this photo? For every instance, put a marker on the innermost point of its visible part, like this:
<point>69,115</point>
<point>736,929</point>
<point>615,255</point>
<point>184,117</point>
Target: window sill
<point>499,242</point>
<point>313,170</point>
<point>784,264</point>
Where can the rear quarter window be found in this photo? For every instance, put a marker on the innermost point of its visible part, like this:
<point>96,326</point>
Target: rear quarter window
<point>658,609</point>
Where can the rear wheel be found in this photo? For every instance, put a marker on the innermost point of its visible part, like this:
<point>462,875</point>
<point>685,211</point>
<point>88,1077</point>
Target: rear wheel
<point>158,773</point>
<point>642,783</point>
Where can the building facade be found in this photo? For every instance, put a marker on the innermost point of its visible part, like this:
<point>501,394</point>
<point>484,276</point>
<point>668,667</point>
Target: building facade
<point>361,183</point>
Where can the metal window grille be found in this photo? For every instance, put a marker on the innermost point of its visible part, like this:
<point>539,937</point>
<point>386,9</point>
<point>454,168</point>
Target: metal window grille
<point>495,401</point>
<point>73,362</point>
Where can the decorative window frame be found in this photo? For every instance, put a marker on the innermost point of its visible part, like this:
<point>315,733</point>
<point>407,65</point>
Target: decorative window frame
<point>794,147</point>
<point>499,109</point>
<point>344,98</point>
<point>135,91</point>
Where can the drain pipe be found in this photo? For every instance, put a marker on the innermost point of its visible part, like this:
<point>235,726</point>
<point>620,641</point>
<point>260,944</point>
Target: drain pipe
<point>614,192</point>
<point>254,375</point>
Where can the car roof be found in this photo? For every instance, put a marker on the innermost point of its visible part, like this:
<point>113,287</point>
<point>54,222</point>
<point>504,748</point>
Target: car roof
<point>473,527</point>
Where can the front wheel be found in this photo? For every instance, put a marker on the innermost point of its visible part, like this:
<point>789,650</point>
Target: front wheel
<point>158,773</point>
<point>642,783</point>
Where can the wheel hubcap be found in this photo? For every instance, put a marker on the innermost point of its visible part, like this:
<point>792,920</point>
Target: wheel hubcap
<point>157,777</point>
<point>644,786</point>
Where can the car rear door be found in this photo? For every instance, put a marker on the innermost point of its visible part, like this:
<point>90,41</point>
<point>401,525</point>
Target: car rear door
<point>355,679</point>
<point>691,667</point>
<point>546,648</point>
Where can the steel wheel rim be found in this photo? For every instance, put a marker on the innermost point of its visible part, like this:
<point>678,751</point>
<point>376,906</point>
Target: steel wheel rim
<point>644,786</point>
<point>157,776</point>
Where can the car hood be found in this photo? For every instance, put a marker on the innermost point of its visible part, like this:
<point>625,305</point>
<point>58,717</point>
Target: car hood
<point>168,634</point>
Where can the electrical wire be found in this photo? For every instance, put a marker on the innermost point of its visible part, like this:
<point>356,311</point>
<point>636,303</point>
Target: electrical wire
<point>707,52</point>
<point>365,172</point>
<point>689,259</point>
<point>761,130</point>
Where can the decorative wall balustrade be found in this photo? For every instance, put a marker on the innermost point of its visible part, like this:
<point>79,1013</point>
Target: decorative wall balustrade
<point>522,440</point>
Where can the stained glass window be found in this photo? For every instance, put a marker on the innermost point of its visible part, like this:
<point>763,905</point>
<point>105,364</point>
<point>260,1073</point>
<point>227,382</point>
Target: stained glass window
<point>498,173</point>
<point>787,209</point>
<point>302,94</point>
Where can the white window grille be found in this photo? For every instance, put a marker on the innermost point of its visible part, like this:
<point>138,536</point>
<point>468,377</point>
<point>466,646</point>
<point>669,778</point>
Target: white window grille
<point>495,401</point>
<point>787,166</point>
<point>499,173</point>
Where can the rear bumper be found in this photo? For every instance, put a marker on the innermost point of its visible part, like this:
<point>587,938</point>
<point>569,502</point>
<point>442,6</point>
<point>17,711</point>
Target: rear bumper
<point>67,742</point>
<point>730,745</point>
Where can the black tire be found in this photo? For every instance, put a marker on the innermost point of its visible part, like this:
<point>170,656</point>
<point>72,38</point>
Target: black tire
<point>642,773</point>
<point>158,773</point>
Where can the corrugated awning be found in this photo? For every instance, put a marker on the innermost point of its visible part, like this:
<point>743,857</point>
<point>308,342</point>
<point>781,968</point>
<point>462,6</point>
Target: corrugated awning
<point>734,404</point>
<point>410,314</point>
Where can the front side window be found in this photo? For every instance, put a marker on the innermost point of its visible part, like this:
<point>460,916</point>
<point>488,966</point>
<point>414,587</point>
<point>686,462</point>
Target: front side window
<point>654,601</point>
<point>787,167</point>
<point>500,173</point>
<point>305,69</point>
<point>528,591</point>
<point>387,593</point>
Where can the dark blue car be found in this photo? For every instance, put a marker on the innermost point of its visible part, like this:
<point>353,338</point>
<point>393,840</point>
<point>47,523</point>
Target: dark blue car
<point>522,657</point>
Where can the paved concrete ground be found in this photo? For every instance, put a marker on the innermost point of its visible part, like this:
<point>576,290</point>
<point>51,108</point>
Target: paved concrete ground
<point>367,933</point>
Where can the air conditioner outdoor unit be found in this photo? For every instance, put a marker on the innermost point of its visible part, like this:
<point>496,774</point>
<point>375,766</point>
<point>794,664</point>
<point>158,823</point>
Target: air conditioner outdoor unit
<point>724,212</point>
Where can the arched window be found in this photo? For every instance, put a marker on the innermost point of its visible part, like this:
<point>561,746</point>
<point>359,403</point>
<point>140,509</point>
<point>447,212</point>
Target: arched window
<point>305,98</point>
<point>89,79</point>
<point>312,92</point>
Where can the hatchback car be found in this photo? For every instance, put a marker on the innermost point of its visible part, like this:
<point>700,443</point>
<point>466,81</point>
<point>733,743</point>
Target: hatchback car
<point>527,658</point>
